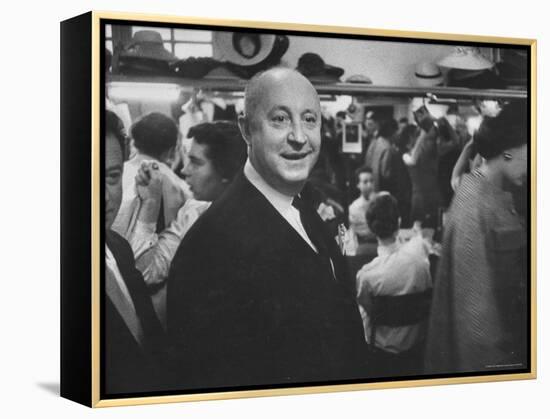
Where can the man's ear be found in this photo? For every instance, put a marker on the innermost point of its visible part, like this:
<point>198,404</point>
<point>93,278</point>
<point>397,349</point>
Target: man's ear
<point>244,128</point>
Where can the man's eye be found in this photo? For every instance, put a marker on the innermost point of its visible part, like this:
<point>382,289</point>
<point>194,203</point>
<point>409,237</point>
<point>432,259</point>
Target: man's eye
<point>280,119</point>
<point>113,178</point>
<point>311,119</point>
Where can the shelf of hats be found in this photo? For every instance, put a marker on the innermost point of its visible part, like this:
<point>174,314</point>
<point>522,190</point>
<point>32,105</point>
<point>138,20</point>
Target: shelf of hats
<point>164,68</point>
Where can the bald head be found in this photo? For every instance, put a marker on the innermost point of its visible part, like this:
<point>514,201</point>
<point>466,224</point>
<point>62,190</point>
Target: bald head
<point>282,127</point>
<point>262,81</point>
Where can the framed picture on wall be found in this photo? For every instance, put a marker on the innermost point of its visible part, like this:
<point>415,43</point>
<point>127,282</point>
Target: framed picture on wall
<point>206,174</point>
<point>351,138</point>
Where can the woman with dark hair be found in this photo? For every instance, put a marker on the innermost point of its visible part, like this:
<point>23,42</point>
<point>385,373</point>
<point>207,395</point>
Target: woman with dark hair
<point>479,311</point>
<point>216,154</point>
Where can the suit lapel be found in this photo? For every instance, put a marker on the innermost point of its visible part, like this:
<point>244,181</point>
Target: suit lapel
<point>136,286</point>
<point>272,220</point>
<point>277,227</point>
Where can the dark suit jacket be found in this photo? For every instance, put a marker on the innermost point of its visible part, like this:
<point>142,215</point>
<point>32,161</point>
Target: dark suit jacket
<point>250,303</point>
<point>128,367</point>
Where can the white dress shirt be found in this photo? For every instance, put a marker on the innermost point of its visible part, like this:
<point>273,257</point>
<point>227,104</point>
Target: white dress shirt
<point>281,202</point>
<point>399,269</point>
<point>154,252</point>
<point>110,261</point>
<point>117,290</point>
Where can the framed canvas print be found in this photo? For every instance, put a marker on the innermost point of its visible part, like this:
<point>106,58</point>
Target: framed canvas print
<point>256,208</point>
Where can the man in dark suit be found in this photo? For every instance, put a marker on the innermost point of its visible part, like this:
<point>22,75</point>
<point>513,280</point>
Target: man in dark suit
<point>256,293</point>
<point>132,333</point>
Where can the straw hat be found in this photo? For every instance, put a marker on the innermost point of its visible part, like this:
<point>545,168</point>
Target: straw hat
<point>427,75</point>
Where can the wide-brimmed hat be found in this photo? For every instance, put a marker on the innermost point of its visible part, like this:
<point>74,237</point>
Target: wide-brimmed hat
<point>466,58</point>
<point>148,44</point>
<point>248,49</point>
<point>315,69</point>
<point>427,74</point>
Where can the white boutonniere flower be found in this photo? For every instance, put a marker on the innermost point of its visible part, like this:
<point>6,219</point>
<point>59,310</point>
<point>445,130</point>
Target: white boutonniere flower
<point>326,212</point>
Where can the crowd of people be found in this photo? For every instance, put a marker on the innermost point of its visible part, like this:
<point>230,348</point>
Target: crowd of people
<point>232,271</point>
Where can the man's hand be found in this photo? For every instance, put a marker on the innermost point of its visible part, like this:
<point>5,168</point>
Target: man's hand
<point>149,190</point>
<point>149,181</point>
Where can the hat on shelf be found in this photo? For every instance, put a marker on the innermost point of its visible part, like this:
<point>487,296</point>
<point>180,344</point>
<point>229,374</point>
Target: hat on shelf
<point>359,78</point>
<point>315,69</point>
<point>428,74</point>
<point>146,55</point>
<point>466,58</point>
<point>248,48</point>
<point>148,44</point>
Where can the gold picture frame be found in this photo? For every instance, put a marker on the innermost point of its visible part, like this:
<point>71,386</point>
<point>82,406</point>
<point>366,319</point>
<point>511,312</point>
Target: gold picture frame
<point>82,75</point>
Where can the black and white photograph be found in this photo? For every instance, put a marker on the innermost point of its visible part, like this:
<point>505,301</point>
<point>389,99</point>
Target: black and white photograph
<point>297,210</point>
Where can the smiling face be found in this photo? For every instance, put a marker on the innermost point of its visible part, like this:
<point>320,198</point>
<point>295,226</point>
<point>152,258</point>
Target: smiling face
<point>284,132</point>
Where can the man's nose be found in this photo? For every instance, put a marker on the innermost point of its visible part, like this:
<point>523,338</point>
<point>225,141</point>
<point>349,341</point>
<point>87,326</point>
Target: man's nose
<point>107,194</point>
<point>297,136</point>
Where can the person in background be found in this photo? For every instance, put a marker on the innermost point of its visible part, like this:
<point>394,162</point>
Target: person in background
<point>479,311</point>
<point>133,335</point>
<point>399,269</point>
<point>379,157</point>
<point>256,292</point>
<point>448,148</point>
<point>217,152</point>
<point>403,123</point>
<point>468,160</point>
<point>403,187</point>
<point>372,125</point>
<point>155,137</point>
<point>328,175</point>
<point>358,209</point>
<point>422,163</point>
